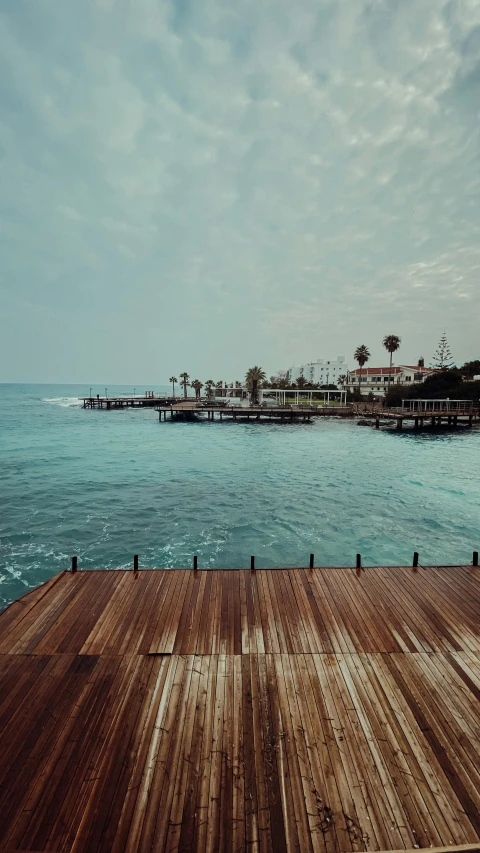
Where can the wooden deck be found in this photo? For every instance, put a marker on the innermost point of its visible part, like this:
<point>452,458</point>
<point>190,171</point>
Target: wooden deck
<point>140,402</point>
<point>282,710</point>
<point>244,413</point>
<point>442,419</point>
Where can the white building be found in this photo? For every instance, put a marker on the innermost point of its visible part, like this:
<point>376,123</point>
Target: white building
<point>321,371</point>
<point>377,380</point>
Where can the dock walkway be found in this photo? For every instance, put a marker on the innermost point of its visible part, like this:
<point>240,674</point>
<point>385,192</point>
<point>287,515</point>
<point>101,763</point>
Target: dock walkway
<point>279,413</point>
<point>446,418</point>
<point>242,710</point>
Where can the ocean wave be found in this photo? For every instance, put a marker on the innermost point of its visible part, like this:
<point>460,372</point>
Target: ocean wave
<point>64,402</point>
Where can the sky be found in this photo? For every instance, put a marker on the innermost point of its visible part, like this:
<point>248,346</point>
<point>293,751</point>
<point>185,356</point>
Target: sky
<point>204,186</point>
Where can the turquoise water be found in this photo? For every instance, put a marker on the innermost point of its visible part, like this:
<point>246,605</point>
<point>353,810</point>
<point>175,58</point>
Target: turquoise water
<point>106,485</point>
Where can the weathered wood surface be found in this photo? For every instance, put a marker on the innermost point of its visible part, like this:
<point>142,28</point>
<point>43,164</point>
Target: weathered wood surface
<point>281,710</point>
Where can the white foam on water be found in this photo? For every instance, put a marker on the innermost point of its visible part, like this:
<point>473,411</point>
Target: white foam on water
<point>64,402</point>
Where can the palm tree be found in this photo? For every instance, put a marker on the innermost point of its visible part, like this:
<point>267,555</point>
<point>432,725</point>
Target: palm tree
<point>197,386</point>
<point>209,386</point>
<point>254,378</point>
<point>391,344</point>
<point>184,377</point>
<point>173,379</point>
<point>341,380</point>
<point>361,354</point>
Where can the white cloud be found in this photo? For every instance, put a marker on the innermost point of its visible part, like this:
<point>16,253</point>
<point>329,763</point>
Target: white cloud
<point>282,180</point>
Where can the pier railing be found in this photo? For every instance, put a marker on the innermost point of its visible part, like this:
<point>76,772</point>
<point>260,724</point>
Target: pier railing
<point>310,564</point>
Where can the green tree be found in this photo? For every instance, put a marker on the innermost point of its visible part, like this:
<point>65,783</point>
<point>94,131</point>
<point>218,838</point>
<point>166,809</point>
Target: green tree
<point>197,386</point>
<point>471,368</point>
<point>391,344</point>
<point>209,385</point>
<point>173,380</point>
<point>342,379</point>
<point>442,357</point>
<point>361,355</point>
<point>254,378</point>
<point>301,382</point>
<point>184,377</point>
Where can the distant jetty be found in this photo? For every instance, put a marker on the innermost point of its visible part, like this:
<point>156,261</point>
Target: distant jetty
<point>191,411</point>
<point>148,400</point>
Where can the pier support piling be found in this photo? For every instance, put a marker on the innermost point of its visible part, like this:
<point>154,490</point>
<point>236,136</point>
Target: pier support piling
<point>415,559</point>
<point>195,563</point>
<point>475,558</point>
<point>312,557</point>
<point>135,562</point>
<point>74,564</point>
<point>252,564</point>
<point>359,561</point>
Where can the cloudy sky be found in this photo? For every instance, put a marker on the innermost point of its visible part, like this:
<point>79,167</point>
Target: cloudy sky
<point>202,185</point>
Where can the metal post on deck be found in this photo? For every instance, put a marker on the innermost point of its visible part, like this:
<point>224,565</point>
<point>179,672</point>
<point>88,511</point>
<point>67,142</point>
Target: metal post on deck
<point>475,558</point>
<point>312,557</point>
<point>195,563</point>
<point>415,559</point>
<point>74,564</point>
<point>359,561</point>
<point>252,564</point>
<point>135,562</point>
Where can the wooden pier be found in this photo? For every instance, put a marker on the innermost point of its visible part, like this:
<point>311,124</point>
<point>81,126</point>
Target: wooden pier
<point>445,419</point>
<point>242,710</point>
<point>149,401</point>
<point>253,413</point>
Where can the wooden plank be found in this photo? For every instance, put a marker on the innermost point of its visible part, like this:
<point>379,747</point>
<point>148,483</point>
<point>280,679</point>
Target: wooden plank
<point>227,781</point>
<point>83,615</point>
<point>155,619</point>
<point>250,784</point>
<point>160,775</point>
<point>38,741</point>
<point>277,614</point>
<point>17,611</point>
<point>213,814</point>
<point>181,770</point>
<point>321,816</point>
<point>163,615</point>
<point>295,761</point>
<point>238,768</point>
<point>74,758</point>
<point>337,813</point>
<point>133,801</point>
<point>258,747</point>
<point>425,768</point>
<point>39,619</point>
<point>192,783</point>
<point>237,618</point>
<point>439,742</point>
<point>203,793</point>
<point>426,817</point>
<point>204,639</point>
<point>362,824</point>
<point>148,786</point>
<point>191,639</point>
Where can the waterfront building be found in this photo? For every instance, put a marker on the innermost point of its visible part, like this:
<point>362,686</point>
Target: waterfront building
<point>322,371</point>
<point>376,380</point>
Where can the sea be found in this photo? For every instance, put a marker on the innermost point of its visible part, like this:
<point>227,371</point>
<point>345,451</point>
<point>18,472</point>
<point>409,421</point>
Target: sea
<point>105,485</point>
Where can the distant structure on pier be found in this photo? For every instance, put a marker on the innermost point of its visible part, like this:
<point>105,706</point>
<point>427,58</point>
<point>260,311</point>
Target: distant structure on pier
<point>322,371</point>
<point>377,380</point>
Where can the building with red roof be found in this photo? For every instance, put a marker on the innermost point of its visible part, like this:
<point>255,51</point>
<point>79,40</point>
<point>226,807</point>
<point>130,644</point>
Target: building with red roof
<point>376,380</point>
